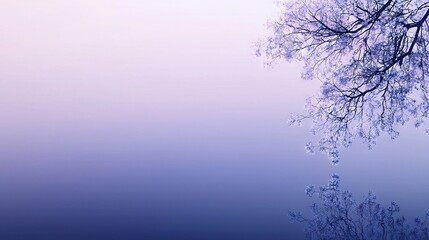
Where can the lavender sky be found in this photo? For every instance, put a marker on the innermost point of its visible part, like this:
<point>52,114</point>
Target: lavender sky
<point>154,120</point>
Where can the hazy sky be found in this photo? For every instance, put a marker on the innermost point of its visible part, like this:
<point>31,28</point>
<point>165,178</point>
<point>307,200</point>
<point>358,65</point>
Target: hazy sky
<point>154,119</point>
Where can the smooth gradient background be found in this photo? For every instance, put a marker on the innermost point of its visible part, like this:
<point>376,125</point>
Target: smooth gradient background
<point>133,119</point>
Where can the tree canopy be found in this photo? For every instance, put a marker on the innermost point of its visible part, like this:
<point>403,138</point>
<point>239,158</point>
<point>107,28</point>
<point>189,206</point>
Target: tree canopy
<point>372,58</point>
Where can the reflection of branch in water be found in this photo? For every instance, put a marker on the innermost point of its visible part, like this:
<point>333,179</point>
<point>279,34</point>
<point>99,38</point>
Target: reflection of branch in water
<point>339,216</point>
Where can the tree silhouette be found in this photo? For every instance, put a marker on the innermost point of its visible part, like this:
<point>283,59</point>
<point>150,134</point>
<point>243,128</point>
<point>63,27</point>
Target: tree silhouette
<point>340,217</point>
<point>371,57</point>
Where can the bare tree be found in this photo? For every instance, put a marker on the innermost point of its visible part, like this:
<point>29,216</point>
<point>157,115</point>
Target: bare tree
<point>372,57</point>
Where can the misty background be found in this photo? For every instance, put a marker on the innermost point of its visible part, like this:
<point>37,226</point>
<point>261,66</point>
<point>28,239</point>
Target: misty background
<point>154,120</point>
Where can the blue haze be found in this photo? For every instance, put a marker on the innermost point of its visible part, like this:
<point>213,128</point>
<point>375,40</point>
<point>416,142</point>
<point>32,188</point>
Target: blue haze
<point>163,125</point>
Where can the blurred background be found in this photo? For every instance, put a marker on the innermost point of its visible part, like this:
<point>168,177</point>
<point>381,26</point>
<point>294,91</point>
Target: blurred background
<point>154,120</point>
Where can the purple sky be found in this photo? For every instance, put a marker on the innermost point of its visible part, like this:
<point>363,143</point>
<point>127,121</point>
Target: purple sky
<point>164,102</point>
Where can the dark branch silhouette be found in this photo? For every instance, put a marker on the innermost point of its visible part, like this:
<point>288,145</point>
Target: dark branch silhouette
<point>372,57</point>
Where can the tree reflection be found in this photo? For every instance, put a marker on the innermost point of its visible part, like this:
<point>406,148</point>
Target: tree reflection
<point>339,216</point>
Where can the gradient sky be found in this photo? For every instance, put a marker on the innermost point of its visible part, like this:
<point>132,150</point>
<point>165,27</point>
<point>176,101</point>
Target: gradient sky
<point>154,120</point>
